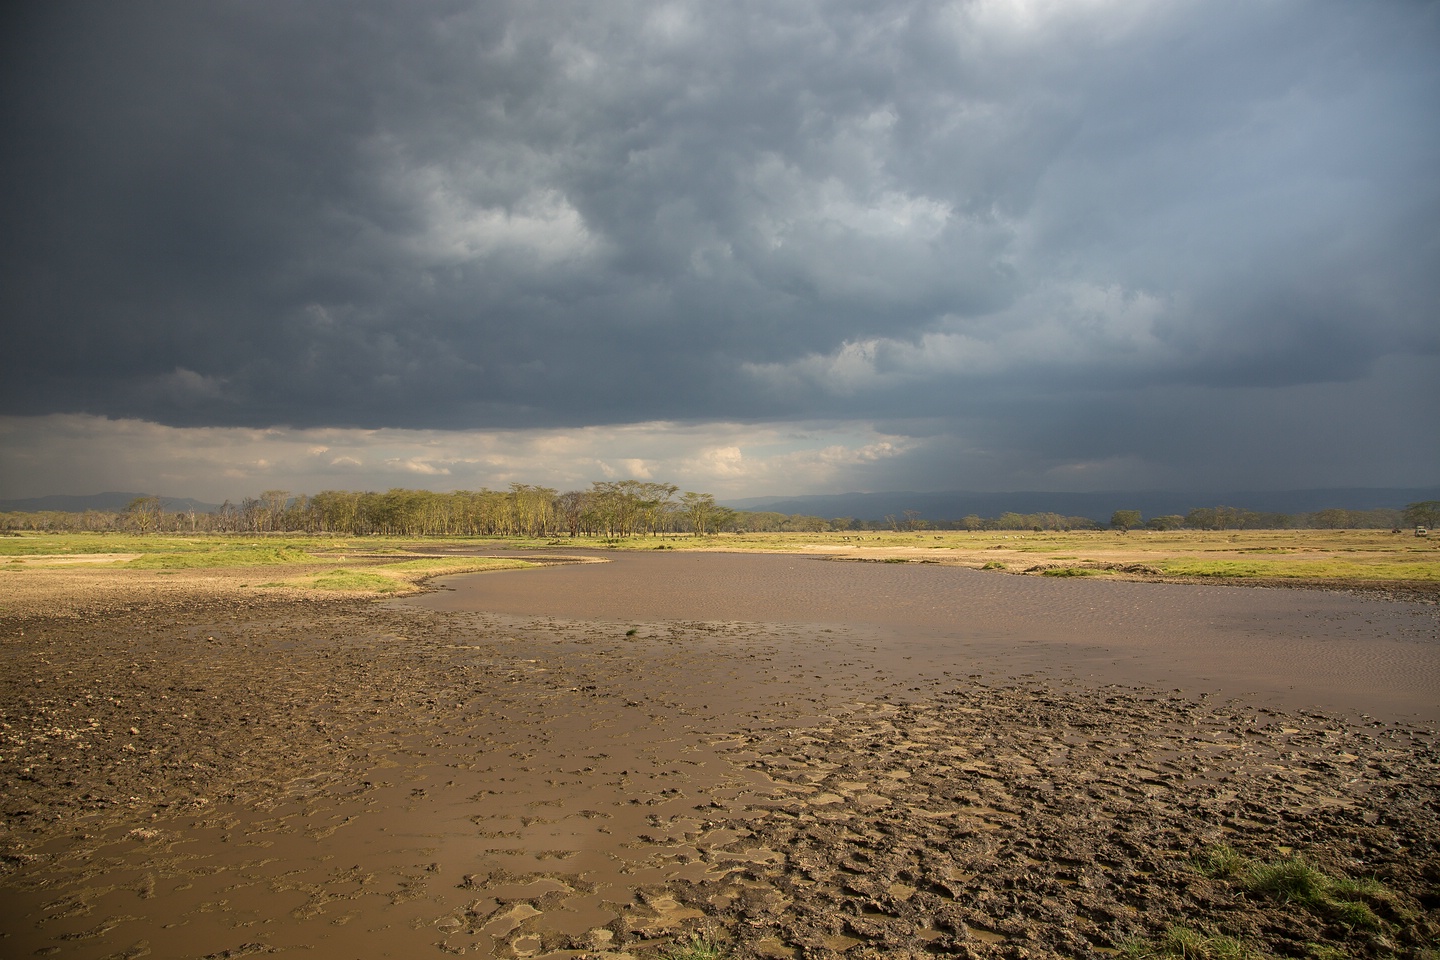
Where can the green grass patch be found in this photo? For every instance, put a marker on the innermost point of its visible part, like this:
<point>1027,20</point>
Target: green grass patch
<point>1341,899</point>
<point>354,580</point>
<point>1069,572</point>
<point>1221,862</point>
<point>402,576</point>
<point>66,544</point>
<point>1302,569</point>
<point>1188,944</point>
<point>249,556</point>
<point>1295,880</point>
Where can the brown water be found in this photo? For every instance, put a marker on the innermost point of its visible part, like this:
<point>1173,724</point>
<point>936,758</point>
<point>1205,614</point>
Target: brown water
<point>1284,647</point>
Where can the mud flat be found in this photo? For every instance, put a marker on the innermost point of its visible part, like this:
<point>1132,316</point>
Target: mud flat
<point>792,757</point>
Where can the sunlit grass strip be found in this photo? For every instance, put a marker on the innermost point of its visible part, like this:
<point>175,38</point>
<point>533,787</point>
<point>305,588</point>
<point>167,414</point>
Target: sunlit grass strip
<point>1300,569</point>
<point>65,544</point>
<point>347,581</point>
<point>401,577</point>
<point>260,556</point>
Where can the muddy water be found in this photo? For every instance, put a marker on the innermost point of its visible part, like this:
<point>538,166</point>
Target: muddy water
<point>590,759</point>
<point>1296,649</point>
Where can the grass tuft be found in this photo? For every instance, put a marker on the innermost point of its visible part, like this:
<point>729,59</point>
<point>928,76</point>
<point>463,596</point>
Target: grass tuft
<point>695,948</point>
<point>1187,944</point>
<point>1221,861</point>
<point>1295,880</point>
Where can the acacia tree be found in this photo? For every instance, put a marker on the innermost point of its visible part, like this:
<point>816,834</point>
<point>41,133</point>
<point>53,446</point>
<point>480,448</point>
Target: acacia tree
<point>570,508</point>
<point>1124,520</point>
<point>618,505</point>
<point>1426,513</point>
<point>143,514</point>
<point>698,508</point>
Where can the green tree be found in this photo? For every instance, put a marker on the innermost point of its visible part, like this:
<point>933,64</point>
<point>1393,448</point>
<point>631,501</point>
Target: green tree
<point>1426,513</point>
<point>698,508</point>
<point>1124,520</point>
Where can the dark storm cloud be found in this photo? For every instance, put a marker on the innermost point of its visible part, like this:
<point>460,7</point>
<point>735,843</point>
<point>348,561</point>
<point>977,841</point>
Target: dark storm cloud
<point>459,215</point>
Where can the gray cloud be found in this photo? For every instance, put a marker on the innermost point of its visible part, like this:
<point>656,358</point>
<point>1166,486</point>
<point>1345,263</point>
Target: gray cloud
<point>1017,218</point>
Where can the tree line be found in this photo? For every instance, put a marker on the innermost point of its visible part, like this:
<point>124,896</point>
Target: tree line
<point>622,508</point>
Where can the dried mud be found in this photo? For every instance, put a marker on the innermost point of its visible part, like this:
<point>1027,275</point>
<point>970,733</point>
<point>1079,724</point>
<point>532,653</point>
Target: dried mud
<point>213,777</point>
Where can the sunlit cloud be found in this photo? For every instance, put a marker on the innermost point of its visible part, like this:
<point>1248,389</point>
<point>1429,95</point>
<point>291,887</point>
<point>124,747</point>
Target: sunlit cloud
<point>67,452</point>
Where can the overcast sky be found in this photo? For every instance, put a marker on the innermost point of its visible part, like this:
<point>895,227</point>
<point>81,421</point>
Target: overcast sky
<point>749,247</point>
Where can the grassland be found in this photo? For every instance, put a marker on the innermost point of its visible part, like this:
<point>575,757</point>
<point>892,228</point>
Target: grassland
<point>1330,558</point>
<point>258,565</point>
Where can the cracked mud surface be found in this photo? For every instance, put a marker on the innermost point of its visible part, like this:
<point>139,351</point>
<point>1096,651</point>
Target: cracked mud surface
<point>215,778</point>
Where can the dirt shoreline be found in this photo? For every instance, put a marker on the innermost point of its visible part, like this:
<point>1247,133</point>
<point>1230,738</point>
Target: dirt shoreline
<point>195,774</point>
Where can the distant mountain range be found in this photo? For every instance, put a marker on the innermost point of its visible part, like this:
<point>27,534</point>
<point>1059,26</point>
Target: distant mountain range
<point>1097,506</point>
<point>112,502</point>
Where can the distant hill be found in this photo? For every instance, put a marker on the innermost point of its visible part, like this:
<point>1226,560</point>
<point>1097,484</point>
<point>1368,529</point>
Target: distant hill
<point>111,502</point>
<point>1097,506</point>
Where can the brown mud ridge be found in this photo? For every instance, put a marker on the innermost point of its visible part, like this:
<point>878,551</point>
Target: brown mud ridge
<point>204,778</point>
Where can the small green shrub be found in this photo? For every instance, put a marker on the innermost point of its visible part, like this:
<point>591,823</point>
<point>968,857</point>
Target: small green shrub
<point>1221,861</point>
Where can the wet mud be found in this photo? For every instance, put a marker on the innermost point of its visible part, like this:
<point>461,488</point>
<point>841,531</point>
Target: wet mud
<point>536,764</point>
